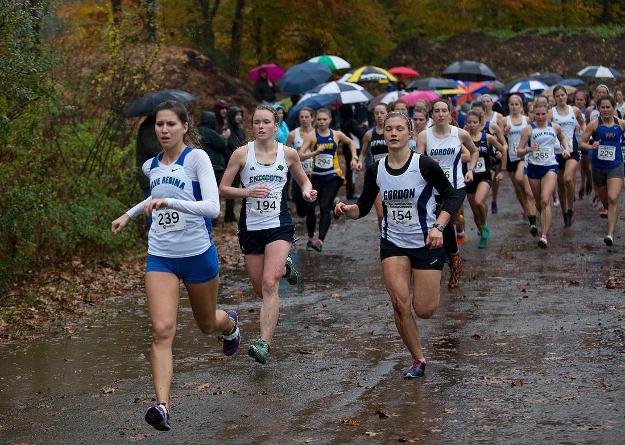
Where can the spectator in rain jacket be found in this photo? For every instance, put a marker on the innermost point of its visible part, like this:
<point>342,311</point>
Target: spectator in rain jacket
<point>213,143</point>
<point>264,89</point>
<point>283,130</point>
<point>237,139</point>
<point>221,113</point>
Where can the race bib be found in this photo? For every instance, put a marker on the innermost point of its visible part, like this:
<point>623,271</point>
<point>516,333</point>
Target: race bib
<point>307,165</point>
<point>324,161</point>
<point>269,206</point>
<point>378,157</point>
<point>606,152</point>
<point>541,155</point>
<point>447,170</point>
<point>168,220</point>
<point>480,167</point>
<point>401,213</point>
<point>513,152</point>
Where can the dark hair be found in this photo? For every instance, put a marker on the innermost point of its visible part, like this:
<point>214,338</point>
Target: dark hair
<point>420,110</point>
<point>310,111</point>
<point>399,101</point>
<point>608,97</point>
<point>401,114</point>
<point>477,114</point>
<point>558,88</point>
<point>324,110</point>
<point>269,108</point>
<point>440,99</point>
<point>382,104</point>
<point>191,137</point>
<point>477,103</point>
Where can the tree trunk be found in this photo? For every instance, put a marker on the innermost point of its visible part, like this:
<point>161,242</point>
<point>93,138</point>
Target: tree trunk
<point>236,35</point>
<point>150,15</point>
<point>208,16</point>
<point>116,7</point>
<point>606,13</point>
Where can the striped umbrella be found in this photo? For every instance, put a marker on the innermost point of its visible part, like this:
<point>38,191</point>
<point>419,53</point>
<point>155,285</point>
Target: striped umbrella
<point>528,86</point>
<point>599,71</point>
<point>332,62</point>
<point>371,73</point>
<point>344,92</point>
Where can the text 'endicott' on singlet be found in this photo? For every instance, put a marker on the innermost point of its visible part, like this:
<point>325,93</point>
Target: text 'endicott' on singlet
<point>271,211</point>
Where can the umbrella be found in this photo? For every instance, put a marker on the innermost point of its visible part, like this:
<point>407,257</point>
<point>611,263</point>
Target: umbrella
<point>345,96</point>
<point>527,86</point>
<point>385,98</point>
<point>599,71</point>
<point>313,101</point>
<point>473,90</point>
<point>403,71</point>
<point>431,83</point>
<point>548,78</point>
<point>371,73</point>
<point>513,82</point>
<point>498,87</point>
<point>145,105</point>
<point>469,70</point>
<point>412,98</point>
<point>332,62</point>
<point>569,89</point>
<point>274,72</point>
<point>451,91</point>
<point>573,82</point>
<point>303,77</point>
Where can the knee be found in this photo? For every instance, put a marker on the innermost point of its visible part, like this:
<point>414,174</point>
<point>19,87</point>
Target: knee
<point>568,181</point>
<point>163,331</point>
<point>612,201</point>
<point>425,312</point>
<point>401,305</point>
<point>270,286</point>
<point>544,202</point>
<point>208,326</point>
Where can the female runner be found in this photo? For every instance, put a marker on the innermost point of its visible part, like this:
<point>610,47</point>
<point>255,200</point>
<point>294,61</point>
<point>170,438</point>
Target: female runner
<point>411,239</point>
<point>265,226</point>
<point>183,201</point>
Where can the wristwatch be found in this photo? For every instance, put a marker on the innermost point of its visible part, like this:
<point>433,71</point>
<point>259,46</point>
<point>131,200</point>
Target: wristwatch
<point>439,227</point>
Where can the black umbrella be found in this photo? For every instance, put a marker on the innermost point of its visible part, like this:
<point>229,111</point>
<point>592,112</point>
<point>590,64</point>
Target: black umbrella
<point>432,83</point>
<point>498,87</point>
<point>146,105</point>
<point>548,78</point>
<point>469,70</point>
<point>304,76</point>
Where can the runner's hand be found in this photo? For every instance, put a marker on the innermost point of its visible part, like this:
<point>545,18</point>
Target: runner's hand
<point>354,165</point>
<point>469,176</point>
<point>120,223</point>
<point>360,165</point>
<point>154,204</point>
<point>499,176</point>
<point>596,144</point>
<point>310,196</point>
<point>534,147</point>
<point>341,208</point>
<point>435,239</point>
<point>566,154</point>
<point>259,191</point>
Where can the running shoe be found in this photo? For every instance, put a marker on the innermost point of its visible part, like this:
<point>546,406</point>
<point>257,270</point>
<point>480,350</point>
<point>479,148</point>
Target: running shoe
<point>456,271</point>
<point>259,351</point>
<point>608,240</point>
<point>571,217</point>
<point>483,244</point>
<point>158,417</point>
<point>310,246</point>
<point>485,231</point>
<point>533,230</point>
<point>233,339</point>
<point>493,208</point>
<point>595,202</point>
<point>417,369</point>
<point>316,245</point>
<point>291,275</point>
<point>604,213</point>
<point>461,238</point>
<point>542,242</point>
<point>556,202</point>
<point>565,217</point>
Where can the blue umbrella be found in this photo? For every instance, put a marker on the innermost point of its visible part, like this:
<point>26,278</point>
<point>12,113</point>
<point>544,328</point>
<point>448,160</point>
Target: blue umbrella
<point>314,102</point>
<point>603,72</point>
<point>528,86</point>
<point>301,78</point>
<point>572,82</point>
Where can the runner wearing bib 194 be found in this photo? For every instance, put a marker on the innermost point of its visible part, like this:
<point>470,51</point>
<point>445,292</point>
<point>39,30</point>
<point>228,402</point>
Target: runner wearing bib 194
<point>539,142</point>
<point>607,162</point>
<point>443,143</point>
<point>265,226</point>
<point>477,190</point>
<point>296,140</point>
<point>570,120</point>
<point>411,240</point>
<point>183,200</point>
<point>374,140</point>
<point>327,176</point>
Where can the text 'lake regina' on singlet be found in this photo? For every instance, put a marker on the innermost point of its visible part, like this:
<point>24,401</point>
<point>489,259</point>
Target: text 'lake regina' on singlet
<point>174,234</point>
<point>271,211</point>
<point>547,140</point>
<point>408,205</point>
<point>446,151</point>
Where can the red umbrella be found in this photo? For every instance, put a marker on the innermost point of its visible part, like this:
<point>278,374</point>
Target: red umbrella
<point>474,89</point>
<point>413,97</point>
<point>274,72</point>
<point>403,71</point>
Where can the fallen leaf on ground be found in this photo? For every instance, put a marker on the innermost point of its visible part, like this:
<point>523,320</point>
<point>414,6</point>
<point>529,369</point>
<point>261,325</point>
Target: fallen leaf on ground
<point>203,386</point>
<point>349,422</point>
<point>305,351</point>
<point>107,390</point>
<point>516,382</point>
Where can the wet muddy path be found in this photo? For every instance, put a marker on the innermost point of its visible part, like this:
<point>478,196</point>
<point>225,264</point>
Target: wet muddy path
<point>530,349</point>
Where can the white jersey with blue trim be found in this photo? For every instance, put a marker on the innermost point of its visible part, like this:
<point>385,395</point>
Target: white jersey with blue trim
<point>298,141</point>
<point>547,141</point>
<point>174,232</point>
<point>514,136</point>
<point>408,203</point>
<point>271,211</point>
<point>568,123</point>
<point>446,151</point>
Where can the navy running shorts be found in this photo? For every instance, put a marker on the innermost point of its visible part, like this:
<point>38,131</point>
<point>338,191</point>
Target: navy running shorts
<point>253,242</point>
<point>422,258</point>
<point>539,171</point>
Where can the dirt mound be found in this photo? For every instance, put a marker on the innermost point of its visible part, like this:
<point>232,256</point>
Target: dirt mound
<point>189,70</point>
<point>513,57</point>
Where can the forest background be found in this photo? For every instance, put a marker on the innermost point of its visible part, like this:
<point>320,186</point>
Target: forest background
<point>69,69</point>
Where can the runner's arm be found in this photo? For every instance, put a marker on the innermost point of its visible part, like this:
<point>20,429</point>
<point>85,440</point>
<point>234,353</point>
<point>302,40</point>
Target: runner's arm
<point>347,140</point>
<point>237,161</point>
<point>452,198</point>
<point>563,140</point>
<point>580,118</point>
<point>366,140</point>
<point>298,173</point>
<point>421,142</point>
<point>306,151</point>
<point>500,148</point>
<point>370,190</point>
<point>587,134</point>
<point>522,148</point>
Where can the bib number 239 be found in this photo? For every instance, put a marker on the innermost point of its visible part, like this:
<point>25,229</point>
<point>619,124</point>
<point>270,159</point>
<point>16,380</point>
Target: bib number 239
<point>168,220</point>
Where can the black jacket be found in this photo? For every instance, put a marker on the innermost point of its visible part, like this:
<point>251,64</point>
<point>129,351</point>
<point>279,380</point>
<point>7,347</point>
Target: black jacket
<point>212,142</point>
<point>148,146</point>
<point>237,133</point>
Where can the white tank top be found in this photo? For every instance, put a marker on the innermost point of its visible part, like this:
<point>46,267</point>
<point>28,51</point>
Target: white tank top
<point>493,120</point>
<point>409,205</point>
<point>447,152</point>
<point>174,234</point>
<point>547,140</point>
<point>514,136</point>
<point>298,141</point>
<point>271,211</point>
<point>568,124</point>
